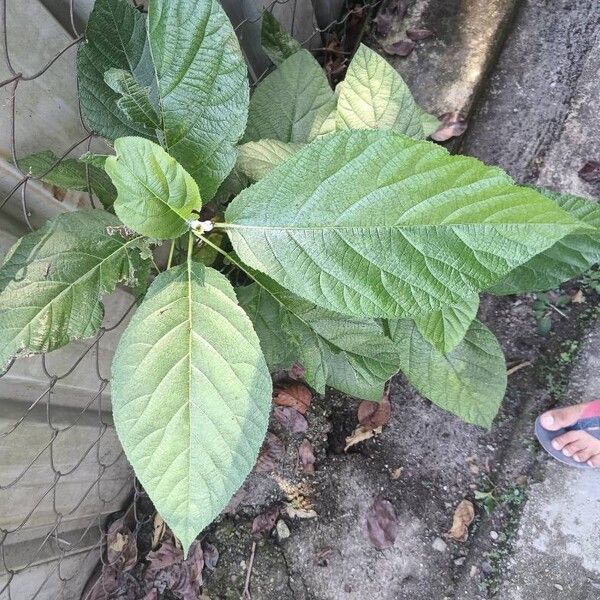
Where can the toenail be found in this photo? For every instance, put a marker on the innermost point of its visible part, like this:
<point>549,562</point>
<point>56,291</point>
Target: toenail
<point>556,445</point>
<point>566,453</point>
<point>577,458</point>
<point>547,419</point>
<point>590,463</point>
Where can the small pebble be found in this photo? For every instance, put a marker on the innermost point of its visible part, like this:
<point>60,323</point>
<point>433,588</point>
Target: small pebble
<point>559,587</point>
<point>459,562</point>
<point>283,531</point>
<point>486,567</point>
<point>439,544</point>
<point>474,571</point>
<point>494,535</point>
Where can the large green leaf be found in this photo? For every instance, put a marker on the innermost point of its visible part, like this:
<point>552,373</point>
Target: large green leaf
<point>52,281</point>
<point>69,174</point>
<point>566,259</point>
<point>469,382</point>
<point>372,223</point>
<point>202,87</point>
<point>156,195</point>
<point>277,43</point>
<point>374,96</point>
<point>351,355</point>
<point>256,159</point>
<point>115,39</point>
<point>191,396</point>
<point>291,103</point>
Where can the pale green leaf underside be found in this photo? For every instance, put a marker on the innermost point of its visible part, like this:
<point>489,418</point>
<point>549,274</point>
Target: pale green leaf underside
<point>353,356</point>
<point>371,223</point>
<point>156,195</point>
<point>291,103</point>
<point>191,396</point>
<point>202,87</point>
<point>374,96</point>
<point>256,159</point>
<point>469,382</point>
<point>277,43</point>
<point>53,279</point>
<point>115,39</point>
<point>69,174</point>
<point>135,99</point>
<point>566,259</point>
<point>445,328</point>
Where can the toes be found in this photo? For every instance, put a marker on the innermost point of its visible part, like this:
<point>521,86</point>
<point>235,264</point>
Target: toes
<point>585,454</point>
<point>575,447</point>
<point>594,461</point>
<point>559,442</point>
<point>561,417</point>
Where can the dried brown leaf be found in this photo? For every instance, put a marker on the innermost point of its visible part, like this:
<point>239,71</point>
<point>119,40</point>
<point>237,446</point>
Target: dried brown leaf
<point>374,414</point>
<point>296,371</point>
<point>290,419</point>
<point>360,434</point>
<point>463,517</point>
<point>211,556</point>
<point>158,532</point>
<point>264,523</point>
<point>382,523</point>
<point>453,125</point>
<point>590,172</point>
<point>402,48</point>
<point>396,473</point>
<point>297,396</point>
<point>300,513</point>
<point>418,34</point>
<point>271,454</point>
<point>578,297</point>
<point>306,457</point>
<point>121,545</point>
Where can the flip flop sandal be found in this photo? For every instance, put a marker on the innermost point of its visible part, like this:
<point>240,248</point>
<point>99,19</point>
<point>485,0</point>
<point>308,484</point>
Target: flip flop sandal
<point>589,421</point>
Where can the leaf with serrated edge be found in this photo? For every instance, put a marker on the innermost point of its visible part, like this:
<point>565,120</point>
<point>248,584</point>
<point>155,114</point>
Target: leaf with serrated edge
<point>469,382</point>
<point>256,159</point>
<point>374,96</point>
<point>291,103</point>
<point>202,87</point>
<point>566,259</point>
<point>70,174</point>
<point>351,355</point>
<point>445,328</point>
<point>371,223</point>
<point>52,280</point>
<point>156,195</point>
<point>115,39</point>
<point>191,396</point>
<point>277,43</point>
<point>135,99</point>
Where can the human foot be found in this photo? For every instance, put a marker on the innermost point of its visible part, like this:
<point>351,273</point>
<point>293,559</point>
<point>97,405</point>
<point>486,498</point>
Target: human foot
<point>580,442</point>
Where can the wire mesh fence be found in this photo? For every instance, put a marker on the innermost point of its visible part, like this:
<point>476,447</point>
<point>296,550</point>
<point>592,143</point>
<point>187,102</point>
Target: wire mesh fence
<point>62,470</point>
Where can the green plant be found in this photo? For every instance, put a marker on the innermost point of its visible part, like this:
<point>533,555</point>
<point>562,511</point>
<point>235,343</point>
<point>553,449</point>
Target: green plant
<point>359,250</point>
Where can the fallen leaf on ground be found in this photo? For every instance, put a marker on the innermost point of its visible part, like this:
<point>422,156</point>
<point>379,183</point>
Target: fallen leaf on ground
<point>360,434</point>
<point>300,513</point>
<point>271,454</point>
<point>159,530</point>
<point>121,545</point>
<point>418,34</point>
<point>590,172</point>
<point>297,396</point>
<point>264,523</point>
<point>463,517</point>
<point>382,523</point>
<point>396,473</point>
<point>453,125</point>
<point>290,419</point>
<point>374,414</point>
<point>296,371</point>
<point>578,297</point>
<point>211,556</point>
<point>402,48</point>
<point>167,569</point>
<point>306,458</point>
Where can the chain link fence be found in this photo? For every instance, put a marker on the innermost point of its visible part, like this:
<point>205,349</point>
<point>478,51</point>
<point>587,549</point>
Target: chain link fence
<point>62,470</point>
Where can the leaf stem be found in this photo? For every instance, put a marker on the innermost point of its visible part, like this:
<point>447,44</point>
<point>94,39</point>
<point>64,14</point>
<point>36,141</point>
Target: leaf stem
<point>171,251</point>
<point>190,246</point>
